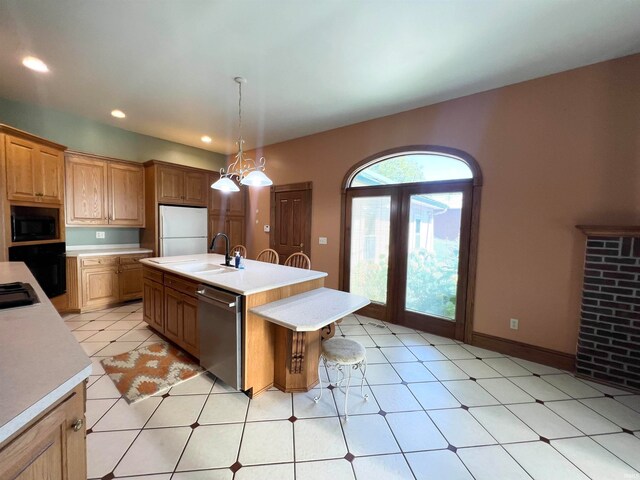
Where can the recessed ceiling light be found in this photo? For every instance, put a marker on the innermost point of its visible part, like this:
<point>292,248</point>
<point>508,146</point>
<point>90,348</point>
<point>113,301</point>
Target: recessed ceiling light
<point>36,64</point>
<point>206,138</point>
<point>118,113</point>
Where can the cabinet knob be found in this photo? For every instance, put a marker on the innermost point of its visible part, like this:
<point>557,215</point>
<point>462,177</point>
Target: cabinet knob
<point>77,425</point>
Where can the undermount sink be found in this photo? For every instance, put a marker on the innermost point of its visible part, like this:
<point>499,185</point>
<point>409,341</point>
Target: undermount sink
<point>199,267</point>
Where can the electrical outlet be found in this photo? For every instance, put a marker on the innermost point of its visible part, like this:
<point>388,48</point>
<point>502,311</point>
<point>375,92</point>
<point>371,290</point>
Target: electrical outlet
<point>267,228</point>
<point>99,234</point>
<point>513,323</point>
<point>322,240</point>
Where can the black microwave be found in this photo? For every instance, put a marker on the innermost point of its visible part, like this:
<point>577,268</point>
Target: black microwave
<point>33,223</point>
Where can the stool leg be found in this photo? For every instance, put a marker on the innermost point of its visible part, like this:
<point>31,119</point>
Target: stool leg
<point>346,394</point>
<point>324,362</point>
<point>362,366</point>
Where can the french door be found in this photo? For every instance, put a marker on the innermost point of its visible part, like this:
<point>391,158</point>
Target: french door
<point>407,250</point>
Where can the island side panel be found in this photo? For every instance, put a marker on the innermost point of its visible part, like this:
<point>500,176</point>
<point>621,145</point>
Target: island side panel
<point>260,362</point>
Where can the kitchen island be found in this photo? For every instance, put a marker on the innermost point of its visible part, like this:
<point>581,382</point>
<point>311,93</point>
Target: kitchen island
<point>42,392</point>
<point>273,353</point>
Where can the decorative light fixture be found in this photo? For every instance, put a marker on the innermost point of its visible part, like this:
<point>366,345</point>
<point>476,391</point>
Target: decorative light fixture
<point>248,171</point>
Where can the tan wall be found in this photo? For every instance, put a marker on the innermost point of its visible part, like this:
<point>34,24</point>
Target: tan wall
<point>554,152</point>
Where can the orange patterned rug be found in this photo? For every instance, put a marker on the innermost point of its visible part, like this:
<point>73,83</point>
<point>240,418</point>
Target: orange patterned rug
<point>155,368</point>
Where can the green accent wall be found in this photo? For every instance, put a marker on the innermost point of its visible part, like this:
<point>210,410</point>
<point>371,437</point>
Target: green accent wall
<point>112,236</point>
<point>89,136</point>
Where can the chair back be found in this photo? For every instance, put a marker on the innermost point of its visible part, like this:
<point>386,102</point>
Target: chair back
<point>239,248</point>
<point>268,255</point>
<point>298,260</point>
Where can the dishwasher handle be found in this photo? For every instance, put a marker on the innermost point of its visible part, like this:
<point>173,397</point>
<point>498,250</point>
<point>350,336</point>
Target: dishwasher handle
<point>203,295</point>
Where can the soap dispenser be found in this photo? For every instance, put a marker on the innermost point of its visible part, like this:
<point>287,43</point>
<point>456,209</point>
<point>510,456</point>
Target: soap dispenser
<point>237,259</point>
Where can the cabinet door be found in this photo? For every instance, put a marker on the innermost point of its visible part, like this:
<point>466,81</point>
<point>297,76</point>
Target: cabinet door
<point>217,199</point>
<point>153,304</point>
<point>99,286</point>
<point>172,314</point>
<point>22,165</point>
<point>86,190</point>
<point>236,203</point>
<point>126,195</point>
<point>130,282</point>
<point>190,336</point>
<point>49,179</point>
<point>195,188</point>
<point>170,185</point>
<point>217,224</point>
<point>235,230</point>
<point>52,448</point>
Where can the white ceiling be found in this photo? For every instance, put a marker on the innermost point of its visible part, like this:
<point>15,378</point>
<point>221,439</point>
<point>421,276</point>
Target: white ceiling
<point>311,65</point>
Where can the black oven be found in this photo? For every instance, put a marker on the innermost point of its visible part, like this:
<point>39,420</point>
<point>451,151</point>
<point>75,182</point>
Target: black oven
<point>47,263</point>
<point>33,223</point>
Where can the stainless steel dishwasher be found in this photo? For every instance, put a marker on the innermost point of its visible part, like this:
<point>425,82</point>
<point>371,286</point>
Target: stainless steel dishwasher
<point>220,319</point>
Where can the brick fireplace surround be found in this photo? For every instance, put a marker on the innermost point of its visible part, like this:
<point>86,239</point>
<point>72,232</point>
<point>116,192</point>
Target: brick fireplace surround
<point>609,336</point>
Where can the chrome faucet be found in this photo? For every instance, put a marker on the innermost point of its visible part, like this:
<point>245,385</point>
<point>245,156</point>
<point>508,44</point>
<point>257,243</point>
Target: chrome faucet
<point>227,257</point>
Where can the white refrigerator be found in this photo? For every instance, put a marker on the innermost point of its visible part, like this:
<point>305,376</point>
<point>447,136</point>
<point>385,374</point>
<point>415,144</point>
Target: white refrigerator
<point>183,230</point>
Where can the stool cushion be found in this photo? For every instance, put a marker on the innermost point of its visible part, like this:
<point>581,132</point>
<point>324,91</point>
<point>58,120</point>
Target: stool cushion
<point>343,350</point>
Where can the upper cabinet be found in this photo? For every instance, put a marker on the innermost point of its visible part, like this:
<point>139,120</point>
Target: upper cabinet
<point>226,203</point>
<point>34,170</point>
<point>181,186</point>
<point>102,191</point>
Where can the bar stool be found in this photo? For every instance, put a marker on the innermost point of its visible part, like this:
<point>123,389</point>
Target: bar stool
<point>341,353</point>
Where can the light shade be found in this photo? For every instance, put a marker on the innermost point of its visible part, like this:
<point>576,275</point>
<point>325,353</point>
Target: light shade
<point>256,179</point>
<point>225,184</point>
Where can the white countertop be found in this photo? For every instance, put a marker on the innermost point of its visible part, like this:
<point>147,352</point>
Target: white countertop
<point>255,277</point>
<point>312,310</point>
<point>40,360</point>
<point>95,252</point>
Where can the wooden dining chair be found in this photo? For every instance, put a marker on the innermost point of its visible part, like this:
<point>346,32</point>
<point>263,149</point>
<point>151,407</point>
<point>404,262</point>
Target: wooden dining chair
<point>239,248</point>
<point>298,260</point>
<point>268,255</point>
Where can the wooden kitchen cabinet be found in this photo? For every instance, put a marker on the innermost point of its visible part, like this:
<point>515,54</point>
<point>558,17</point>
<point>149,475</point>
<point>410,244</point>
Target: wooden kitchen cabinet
<point>53,447</point>
<point>104,191</point>
<point>227,215</point>
<point>99,286</point>
<point>97,282</point>
<point>34,171</point>
<point>153,304</point>
<point>170,307</point>
<point>181,186</point>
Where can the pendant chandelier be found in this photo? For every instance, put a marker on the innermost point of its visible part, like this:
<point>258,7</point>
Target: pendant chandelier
<point>247,171</point>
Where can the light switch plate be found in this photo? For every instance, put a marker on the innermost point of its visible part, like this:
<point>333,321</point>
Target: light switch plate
<point>267,228</point>
<point>322,240</point>
<point>99,234</point>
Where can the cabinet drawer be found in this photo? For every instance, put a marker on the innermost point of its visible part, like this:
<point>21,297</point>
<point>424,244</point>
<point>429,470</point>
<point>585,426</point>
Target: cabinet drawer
<point>181,284</point>
<point>152,274</point>
<point>99,261</point>
<point>131,259</point>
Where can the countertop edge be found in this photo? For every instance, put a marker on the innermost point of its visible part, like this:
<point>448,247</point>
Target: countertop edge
<point>27,415</point>
<point>107,252</point>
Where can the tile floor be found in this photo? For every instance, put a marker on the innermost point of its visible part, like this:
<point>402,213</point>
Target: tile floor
<point>437,409</point>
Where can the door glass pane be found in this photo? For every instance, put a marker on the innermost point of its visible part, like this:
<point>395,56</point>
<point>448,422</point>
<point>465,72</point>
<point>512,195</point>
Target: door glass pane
<point>370,247</point>
<point>434,242</point>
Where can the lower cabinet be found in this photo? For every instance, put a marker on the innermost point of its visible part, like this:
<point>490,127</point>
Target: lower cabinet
<point>53,447</point>
<point>171,308</point>
<point>98,282</point>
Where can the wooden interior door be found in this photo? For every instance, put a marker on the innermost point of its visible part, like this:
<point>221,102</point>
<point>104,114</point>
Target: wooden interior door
<point>126,195</point>
<point>291,219</point>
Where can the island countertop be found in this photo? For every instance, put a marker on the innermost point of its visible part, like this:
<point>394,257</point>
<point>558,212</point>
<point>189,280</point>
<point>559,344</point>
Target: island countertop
<point>40,360</point>
<point>254,278</point>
